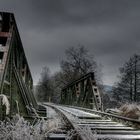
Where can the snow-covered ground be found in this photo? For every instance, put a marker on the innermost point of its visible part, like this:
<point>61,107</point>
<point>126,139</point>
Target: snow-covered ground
<point>80,113</point>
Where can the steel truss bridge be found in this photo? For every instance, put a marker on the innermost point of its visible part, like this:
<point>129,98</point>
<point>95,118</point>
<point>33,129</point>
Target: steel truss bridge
<point>81,106</point>
<point>15,77</point>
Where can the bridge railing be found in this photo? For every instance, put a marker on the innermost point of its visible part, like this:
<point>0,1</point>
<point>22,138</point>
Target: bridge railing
<point>82,92</point>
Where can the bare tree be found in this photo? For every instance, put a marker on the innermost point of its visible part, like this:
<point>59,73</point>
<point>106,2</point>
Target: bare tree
<point>128,89</point>
<point>45,86</point>
<point>77,63</point>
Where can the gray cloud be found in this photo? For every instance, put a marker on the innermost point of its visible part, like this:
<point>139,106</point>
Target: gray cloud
<point>109,29</point>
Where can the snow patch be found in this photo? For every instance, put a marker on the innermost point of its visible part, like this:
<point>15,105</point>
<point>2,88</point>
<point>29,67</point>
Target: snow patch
<point>5,102</point>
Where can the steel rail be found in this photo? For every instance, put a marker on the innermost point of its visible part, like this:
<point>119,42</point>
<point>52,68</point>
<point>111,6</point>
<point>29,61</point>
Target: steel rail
<point>97,124</point>
<point>67,120</point>
<point>112,116</point>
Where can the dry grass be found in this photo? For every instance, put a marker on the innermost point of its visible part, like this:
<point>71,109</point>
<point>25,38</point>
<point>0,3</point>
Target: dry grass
<point>20,129</point>
<point>130,111</point>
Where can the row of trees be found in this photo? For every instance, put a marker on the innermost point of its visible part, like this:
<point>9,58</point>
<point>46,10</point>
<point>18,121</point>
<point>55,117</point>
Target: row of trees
<point>78,61</point>
<point>128,87</point>
<point>44,89</point>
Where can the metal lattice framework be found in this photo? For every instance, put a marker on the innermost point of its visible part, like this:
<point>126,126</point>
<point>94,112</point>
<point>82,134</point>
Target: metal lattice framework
<point>82,92</point>
<point>15,77</point>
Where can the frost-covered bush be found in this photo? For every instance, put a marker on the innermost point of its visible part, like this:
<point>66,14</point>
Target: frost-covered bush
<point>20,129</point>
<point>85,132</point>
<point>130,111</point>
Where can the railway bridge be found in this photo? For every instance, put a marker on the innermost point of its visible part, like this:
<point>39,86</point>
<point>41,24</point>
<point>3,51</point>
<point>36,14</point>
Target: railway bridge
<point>81,109</point>
<point>16,84</point>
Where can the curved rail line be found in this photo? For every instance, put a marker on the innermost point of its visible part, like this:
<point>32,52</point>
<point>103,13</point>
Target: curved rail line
<point>127,121</point>
<point>90,124</point>
<point>68,121</point>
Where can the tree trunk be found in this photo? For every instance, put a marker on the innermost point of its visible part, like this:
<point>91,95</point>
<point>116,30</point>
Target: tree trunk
<point>135,79</point>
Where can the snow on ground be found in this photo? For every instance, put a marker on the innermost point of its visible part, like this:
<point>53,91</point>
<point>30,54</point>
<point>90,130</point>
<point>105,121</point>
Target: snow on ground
<point>80,113</point>
<point>54,120</point>
<point>51,113</point>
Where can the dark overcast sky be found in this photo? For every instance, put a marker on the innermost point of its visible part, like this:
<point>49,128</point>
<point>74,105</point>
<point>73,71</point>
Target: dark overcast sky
<point>110,29</point>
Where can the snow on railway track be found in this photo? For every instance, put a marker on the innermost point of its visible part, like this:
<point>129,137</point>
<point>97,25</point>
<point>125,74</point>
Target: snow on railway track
<point>93,126</point>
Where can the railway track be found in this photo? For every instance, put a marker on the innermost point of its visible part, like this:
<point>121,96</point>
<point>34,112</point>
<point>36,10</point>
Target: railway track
<point>86,124</point>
